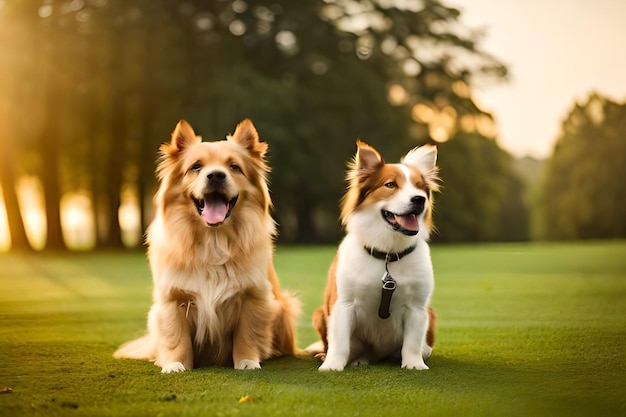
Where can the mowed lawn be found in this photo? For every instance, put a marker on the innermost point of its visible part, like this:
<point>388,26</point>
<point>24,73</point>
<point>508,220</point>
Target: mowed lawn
<point>524,330</point>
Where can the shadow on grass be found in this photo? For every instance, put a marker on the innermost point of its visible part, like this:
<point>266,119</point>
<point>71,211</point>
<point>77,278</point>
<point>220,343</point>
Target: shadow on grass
<point>85,380</point>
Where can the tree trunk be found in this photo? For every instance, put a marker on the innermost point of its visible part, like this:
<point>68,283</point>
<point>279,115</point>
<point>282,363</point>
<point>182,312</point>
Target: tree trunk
<point>107,195</point>
<point>15,39</point>
<point>19,240</point>
<point>145,161</point>
<point>109,184</point>
<point>51,148</point>
<point>113,183</point>
<point>306,224</point>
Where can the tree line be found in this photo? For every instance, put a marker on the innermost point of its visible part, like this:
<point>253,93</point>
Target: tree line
<point>92,87</point>
<point>582,193</point>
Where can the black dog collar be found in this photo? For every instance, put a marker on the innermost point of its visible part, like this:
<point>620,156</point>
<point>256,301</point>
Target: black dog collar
<point>389,257</point>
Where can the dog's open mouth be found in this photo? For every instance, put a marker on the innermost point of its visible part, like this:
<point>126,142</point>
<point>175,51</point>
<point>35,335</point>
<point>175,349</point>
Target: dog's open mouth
<point>407,224</point>
<point>215,207</point>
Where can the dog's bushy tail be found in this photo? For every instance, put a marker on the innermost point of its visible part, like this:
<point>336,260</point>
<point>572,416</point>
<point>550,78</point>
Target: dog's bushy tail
<point>285,325</point>
<point>142,348</point>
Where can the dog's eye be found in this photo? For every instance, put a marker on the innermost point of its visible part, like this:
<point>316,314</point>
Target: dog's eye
<point>391,184</point>
<point>235,168</point>
<point>196,166</point>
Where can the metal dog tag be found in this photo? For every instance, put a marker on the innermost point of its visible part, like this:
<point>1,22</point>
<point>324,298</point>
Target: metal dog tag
<point>389,286</point>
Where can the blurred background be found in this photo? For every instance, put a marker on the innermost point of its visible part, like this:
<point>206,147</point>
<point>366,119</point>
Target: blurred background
<point>89,89</point>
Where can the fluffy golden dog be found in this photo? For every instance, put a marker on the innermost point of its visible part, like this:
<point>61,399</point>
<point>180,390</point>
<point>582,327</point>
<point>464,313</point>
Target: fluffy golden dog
<point>216,297</point>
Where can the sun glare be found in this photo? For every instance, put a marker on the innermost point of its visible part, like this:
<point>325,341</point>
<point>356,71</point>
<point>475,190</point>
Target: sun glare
<point>30,197</point>
<point>77,221</point>
<point>422,113</point>
<point>5,236</point>
<point>486,126</point>
<point>130,217</point>
<point>397,95</point>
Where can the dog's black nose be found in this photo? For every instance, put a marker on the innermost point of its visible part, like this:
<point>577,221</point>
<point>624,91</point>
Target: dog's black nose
<point>418,203</point>
<point>418,199</point>
<point>216,177</point>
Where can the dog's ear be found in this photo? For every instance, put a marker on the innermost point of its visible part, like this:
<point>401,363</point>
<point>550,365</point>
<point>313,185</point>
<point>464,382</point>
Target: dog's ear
<point>367,159</point>
<point>247,136</point>
<point>183,136</point>
<point>366,162</point>
<point>424,158</point>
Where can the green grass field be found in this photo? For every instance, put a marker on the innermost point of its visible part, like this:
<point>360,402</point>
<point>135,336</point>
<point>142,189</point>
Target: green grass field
<point>524,330</point>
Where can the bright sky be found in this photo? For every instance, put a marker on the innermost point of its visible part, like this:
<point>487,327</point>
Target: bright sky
<point>558,52</point>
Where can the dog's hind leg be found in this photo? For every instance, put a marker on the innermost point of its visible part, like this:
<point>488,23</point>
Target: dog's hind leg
<point>170,322</point>
<point>284,326</point>
<point>429,343</point>
<point>321,327</point>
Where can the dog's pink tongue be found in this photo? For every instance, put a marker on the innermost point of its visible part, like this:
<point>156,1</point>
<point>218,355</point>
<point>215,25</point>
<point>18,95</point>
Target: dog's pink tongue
<point>214,211</point>
<point>408,222</point>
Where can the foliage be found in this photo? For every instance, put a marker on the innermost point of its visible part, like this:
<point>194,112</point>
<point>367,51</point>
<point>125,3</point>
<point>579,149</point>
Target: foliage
<point>482,197</point>
<point>92,88</point>
<point>582,196</point>
<point>524,329</point>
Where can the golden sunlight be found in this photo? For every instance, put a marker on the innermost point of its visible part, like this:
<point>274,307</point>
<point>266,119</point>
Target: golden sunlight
<point>130,216</point>
<point>422,113</point>
<point>5,236</point>
<point>441,123</point>
<point>468,123</point>
<point>438,132</point>
<point>461,89</point>
<point>397,95</point>
<point>30,197</point>
<point>77,221</point>
<point>486,126</point>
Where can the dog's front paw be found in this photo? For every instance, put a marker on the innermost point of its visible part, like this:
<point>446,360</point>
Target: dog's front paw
<point>415,364</point>
<point>173,367</point>
<point>331,365</point>
<point>247,364</point>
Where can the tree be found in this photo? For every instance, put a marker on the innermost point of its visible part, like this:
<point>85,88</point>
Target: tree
<point>583,190</point>
<point>358,69</point>
<point>481,198</point>
<point>19,240</point>
<point>314,76</point>
<point>14,34</point>
<point>51,134</point>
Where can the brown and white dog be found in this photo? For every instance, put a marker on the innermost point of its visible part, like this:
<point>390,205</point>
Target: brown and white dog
<point>216,297</point>
<point>376,303</point>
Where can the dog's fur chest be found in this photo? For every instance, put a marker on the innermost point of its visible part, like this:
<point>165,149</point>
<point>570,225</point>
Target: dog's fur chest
<point>359,277</point>
<point>359,285</point>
